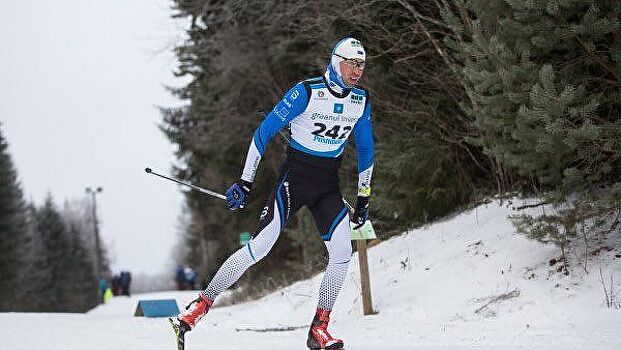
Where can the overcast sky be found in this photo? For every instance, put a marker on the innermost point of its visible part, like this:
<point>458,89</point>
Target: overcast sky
<point>79,84</point>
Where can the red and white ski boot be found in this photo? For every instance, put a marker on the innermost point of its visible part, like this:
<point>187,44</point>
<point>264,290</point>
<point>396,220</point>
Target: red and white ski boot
<point>195,311</point>
<point>189,318</point>
<point>318,336</point>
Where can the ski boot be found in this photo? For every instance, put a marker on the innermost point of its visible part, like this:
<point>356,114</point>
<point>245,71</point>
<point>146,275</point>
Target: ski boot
<point>186,320</point>
<point>318,336</point>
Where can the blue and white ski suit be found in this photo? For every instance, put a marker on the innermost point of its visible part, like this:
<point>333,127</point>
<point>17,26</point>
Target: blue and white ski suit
<point>321,114</point>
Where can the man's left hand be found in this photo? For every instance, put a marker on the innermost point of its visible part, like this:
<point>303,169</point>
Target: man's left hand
<point>361,212</point>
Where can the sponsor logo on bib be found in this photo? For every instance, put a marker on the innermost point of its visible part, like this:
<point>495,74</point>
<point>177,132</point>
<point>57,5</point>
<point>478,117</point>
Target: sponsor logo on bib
<point>338,108</point>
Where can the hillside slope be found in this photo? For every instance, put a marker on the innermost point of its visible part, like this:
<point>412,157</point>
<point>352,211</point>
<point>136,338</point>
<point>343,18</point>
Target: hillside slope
<point>467,282</point>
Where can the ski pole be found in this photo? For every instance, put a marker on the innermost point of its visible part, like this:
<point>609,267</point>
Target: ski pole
<point>194,187</point>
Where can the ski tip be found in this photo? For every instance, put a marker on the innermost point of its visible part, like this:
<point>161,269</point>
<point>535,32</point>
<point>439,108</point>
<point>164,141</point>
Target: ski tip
<point>179,333</point>
<point>176,327</point>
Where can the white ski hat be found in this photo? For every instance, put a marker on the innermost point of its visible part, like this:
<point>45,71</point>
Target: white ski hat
<point>349,48</point>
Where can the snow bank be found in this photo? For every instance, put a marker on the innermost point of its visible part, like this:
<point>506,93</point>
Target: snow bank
<point>468,282</point>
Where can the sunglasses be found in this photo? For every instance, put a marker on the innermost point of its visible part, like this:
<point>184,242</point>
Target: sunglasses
<point>352,63</point>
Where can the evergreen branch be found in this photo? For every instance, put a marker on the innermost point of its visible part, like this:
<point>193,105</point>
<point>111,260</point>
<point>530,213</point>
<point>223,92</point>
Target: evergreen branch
<point>598,60</point>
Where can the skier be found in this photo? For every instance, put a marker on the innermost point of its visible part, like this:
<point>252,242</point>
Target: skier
<point>322,112</point>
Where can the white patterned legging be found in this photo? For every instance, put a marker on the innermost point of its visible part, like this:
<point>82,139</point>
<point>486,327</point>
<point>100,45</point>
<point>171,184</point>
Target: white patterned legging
<point>338,246</point>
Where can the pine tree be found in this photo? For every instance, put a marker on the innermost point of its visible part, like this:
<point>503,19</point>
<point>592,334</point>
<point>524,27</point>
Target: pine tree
<point>52,232</point>
<point>36,269</point>
<point>60,267</point>
<point>80,263</point>
<point>13,230</point>
<point>543,79</point>
<point>81,289</point>
<point>543,83</point>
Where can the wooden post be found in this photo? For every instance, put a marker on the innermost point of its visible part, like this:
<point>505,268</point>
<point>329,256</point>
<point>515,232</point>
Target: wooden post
<point>365,282</point>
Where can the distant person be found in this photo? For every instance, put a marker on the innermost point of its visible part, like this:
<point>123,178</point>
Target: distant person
<point>103,287</point>
<point>107,295</point>
<point>116,285</point>
<point>125,280</point>
<point>190,277</point>
<point>322,113</point>
<point>180,278</point>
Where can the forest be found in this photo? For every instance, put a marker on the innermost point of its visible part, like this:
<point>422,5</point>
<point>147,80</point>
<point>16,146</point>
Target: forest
<point>471,100</point>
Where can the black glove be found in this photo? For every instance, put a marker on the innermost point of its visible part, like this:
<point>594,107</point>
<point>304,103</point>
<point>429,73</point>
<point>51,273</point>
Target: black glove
<point>237,194</point>
<point>361,212</point>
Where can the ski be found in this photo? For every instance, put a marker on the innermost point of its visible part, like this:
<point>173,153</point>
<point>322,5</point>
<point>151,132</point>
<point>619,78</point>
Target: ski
<point>179,330</point>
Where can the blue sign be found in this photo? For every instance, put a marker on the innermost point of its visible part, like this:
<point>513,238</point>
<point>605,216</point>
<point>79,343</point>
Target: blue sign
<point>157,308</point>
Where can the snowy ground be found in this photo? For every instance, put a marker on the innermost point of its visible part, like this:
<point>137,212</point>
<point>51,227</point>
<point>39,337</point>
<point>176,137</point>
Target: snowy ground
<point>468,282</point>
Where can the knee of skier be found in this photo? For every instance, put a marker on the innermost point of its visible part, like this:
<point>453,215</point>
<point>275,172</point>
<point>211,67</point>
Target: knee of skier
<point>257,251</point>
<point>339,247</point>
<point>261,245</point>
<point>340,253</point>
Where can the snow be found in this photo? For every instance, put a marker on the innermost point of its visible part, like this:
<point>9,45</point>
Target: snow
<point>467,282</point>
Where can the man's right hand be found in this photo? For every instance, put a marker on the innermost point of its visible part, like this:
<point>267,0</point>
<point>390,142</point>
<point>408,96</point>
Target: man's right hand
<point>237,194</point>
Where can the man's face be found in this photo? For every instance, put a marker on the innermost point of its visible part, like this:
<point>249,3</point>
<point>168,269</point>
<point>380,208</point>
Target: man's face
<point>351,71</point>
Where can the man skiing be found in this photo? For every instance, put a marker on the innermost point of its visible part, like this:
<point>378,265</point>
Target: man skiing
<point>322,112</point>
